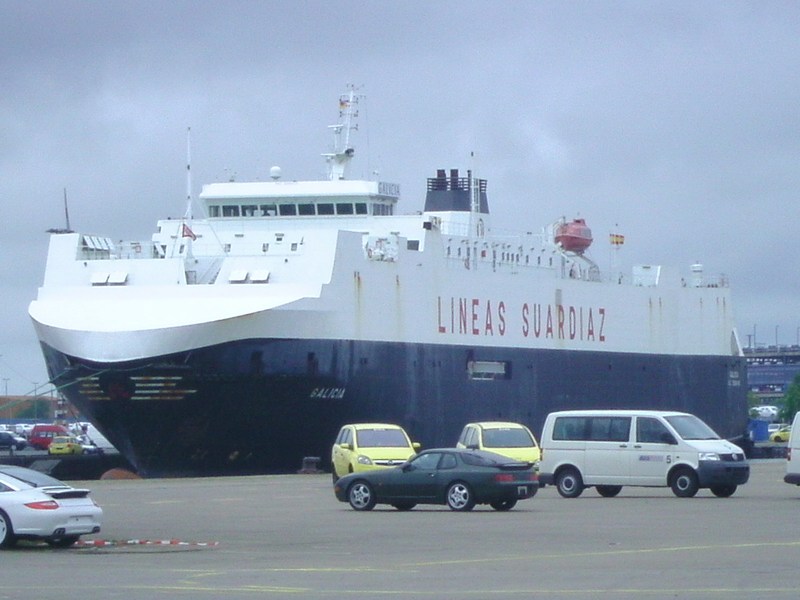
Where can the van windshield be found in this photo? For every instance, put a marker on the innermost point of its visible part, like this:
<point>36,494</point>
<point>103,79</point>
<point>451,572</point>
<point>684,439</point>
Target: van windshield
<point>690,427</point>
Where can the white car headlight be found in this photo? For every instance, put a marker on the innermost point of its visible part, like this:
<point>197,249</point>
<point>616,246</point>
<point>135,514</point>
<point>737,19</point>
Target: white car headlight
<point>363,460</point>
<point>708,456</point>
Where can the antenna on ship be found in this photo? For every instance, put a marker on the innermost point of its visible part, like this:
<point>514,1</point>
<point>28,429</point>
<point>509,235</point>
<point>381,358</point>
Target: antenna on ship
<point>342,151</point>
<point>188,214</point>
<point>66,215</point>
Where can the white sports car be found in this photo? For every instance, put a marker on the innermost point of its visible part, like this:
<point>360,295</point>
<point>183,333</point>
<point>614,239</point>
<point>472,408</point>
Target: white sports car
<point>35,506</point>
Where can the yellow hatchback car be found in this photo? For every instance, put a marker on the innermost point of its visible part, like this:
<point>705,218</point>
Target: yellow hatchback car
<point>65,444</point>
<point>782,435</point>
<point>367,446</point>
<point>501,437</point>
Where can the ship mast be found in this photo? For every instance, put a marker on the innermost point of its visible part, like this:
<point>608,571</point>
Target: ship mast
<point>342,151</point>
<point>188,214</point>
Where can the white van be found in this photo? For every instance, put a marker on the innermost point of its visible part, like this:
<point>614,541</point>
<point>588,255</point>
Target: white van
<point>609,449</point>
<point>793,454</point>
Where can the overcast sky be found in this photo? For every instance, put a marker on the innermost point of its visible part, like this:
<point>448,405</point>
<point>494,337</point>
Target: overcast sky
<point>674,123</point>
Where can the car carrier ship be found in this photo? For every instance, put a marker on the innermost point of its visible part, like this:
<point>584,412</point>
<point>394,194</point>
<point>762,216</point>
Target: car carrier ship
<point>241,341</point>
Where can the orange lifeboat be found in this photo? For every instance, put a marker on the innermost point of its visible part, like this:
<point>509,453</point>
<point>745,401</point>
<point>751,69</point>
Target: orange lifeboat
<point>574,236</point>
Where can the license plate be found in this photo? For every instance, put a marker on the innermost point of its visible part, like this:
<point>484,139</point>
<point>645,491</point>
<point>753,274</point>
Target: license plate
<point>522,490</point>
<point>80,519</point>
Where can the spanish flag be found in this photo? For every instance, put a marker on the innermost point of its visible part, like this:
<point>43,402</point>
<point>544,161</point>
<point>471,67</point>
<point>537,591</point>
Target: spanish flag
<point>187,232</point>
<point>616,239</point>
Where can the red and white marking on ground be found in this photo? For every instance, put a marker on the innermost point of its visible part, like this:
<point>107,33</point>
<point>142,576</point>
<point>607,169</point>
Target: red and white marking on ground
<point>172,542</point>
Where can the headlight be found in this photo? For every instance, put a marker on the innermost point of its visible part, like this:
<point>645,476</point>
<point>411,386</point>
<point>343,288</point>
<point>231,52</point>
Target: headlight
<point>363,460</point>
<point>708,456</point>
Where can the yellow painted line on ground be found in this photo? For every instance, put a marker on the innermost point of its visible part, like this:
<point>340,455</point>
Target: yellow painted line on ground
<point>542,556</point>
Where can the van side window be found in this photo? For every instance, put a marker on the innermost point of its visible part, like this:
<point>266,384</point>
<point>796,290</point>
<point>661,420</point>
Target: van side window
<point>570,428</point>
<point>610,429</point>
<point>650,430</point>
<point>596,429</point>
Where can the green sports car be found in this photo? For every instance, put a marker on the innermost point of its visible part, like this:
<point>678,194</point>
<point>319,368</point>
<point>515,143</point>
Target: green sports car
<point>459,478</point>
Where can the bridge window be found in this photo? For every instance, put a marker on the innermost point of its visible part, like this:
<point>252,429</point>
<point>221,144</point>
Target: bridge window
<point>344,209</point>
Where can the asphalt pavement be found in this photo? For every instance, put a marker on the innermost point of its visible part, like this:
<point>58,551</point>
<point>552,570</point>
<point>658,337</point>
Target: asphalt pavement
<point>286,536</point>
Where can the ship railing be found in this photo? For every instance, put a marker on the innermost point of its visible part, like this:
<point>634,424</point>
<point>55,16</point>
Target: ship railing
<point>133,250</point>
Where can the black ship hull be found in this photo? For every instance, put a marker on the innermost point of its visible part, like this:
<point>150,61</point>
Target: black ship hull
<point>262,406</point>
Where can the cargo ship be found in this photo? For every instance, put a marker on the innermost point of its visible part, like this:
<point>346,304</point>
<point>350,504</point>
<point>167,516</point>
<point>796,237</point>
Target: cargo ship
<point>240,340</point>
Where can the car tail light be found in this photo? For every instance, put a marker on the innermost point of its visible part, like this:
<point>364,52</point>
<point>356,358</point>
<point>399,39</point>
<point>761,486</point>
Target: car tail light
<point>43,505</point>
<point>503,477</point>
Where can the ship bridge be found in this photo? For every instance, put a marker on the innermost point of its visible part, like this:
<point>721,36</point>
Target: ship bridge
<point>276,199</point>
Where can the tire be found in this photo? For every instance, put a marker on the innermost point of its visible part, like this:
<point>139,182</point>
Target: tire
<point>684,483</point>
<point>608,491</point>
<point>723,491</point>
<point>62,542</point>
<point>361,495</point>
<point>504,505</point>
<point>7,537</point>
<point>569,483</point>
<point>404,505</point>
<point>460,497</point>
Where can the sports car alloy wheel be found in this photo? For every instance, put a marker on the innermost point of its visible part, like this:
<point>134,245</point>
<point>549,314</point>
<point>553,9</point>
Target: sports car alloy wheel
<point>361,496</point>
<point>459,497</point>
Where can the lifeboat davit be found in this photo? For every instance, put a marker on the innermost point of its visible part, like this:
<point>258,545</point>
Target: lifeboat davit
<point>574,236</point>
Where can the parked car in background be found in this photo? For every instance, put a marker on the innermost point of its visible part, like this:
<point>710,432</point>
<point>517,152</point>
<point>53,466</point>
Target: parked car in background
<point>509,439</point>
<point>35,506</point>
<point>9,440</point>
<point>23,429</point>
<point>456,477</point>
<point>367,446</point>
<point>65,444</point>
<point>782,435</point>
<point>41,435</point>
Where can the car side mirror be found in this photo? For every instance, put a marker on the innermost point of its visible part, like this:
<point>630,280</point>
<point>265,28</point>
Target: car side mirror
<point>416,446</point>
<point>472,447</point>
<point>407,467</point>
<point>346,446</point>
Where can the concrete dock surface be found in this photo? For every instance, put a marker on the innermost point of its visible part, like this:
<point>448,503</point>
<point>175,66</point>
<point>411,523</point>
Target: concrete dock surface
<point>286,536</point>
